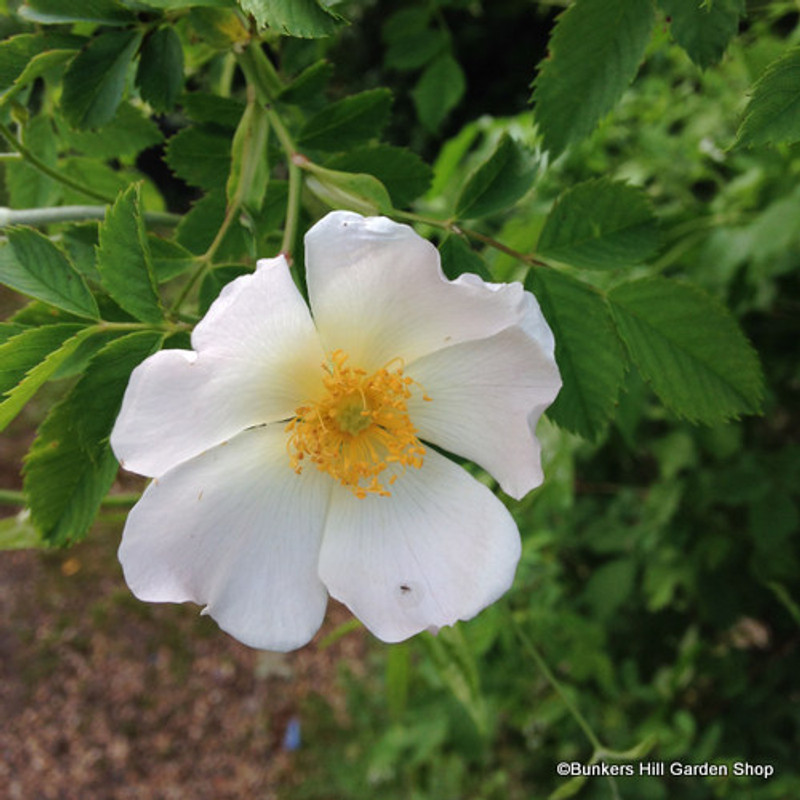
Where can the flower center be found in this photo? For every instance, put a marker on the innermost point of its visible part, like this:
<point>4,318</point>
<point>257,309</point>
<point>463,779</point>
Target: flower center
<point>358,428</point>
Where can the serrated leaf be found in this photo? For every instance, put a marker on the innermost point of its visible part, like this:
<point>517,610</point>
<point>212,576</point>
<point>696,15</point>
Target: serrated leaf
<point>199,226</point>
<point>307,19</point>
<point>600,224</point>
<point>70,466</point>
<point>689,348</point>
<point>169,258</point>
<point>105,12</point>
<point>438,91</point>
<point>588,351</point>
<point>349,122</point>
<point>209,108</point>
<point>703,29</point>
<point>126,135</point>
<point>34,266</point>
<point>160,73</point>
<point>220,28</point>
<point>498,183</point>
<point>24,348</point>
<point>594,54</point>
<point>201,156</point>
<point>404,174</point>
<point>37,354</point>
<point>124,261</point>
<point>94,82</point>
<point>773,114</point>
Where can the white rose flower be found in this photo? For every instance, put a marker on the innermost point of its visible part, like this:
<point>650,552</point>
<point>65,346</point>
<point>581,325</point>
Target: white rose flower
<point>290,449</point>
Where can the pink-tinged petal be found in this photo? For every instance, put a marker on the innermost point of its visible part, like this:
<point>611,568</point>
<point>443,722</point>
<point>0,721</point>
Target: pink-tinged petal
<point>440,549</point>
<point>257,357</point>
<point>486,399</point>
<point>377,292</point>
<point>235,528</point>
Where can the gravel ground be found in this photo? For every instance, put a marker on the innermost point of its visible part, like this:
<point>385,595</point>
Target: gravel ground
<point>106,698</point>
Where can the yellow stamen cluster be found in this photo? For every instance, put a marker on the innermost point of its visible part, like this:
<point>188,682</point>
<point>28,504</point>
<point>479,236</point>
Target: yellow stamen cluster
<point>358,428</point>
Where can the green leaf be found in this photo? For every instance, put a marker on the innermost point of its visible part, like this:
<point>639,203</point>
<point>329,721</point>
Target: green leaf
<point>773,114</point>
<point>309,84</point>
<point>26,347</point>
<point>689,348</point>
<point>124,261</point>
<point>94,82</point>
<point>594,54</point>
<point>27,186</point>
<point>410,42</point>
<point>703,29</point>
<point>70,466</point>
<point>348,122</point>
<point>348,190</point>
<point>40,65</point>
<point>18,532</point>
<point>498,183</point>
<point>438,91</point>
<point>220,111</point>
<point>169,5</point>
<point>105,12</point>
<point>199,226</point>
<point>126,135</point>
<point>404,174</point>
<point>458,257</point>
<point>160,73</point>
<point>15,53</point>
<point>249,174</point>
<point>308,19</point>
<point>600,224</point>
<point>456,665</point>
<point>588,351</point>
<point>220,28</point>
<point>34,266</point>
<point>214,282</point>
<point>201,156</point>
<point>31,359</point>
<point>169,258</point>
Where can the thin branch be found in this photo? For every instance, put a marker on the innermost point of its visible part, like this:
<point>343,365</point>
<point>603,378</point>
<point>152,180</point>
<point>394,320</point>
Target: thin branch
<point>36,163</point>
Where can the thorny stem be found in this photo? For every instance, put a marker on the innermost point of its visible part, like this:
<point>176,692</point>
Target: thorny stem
<point>49,171</point>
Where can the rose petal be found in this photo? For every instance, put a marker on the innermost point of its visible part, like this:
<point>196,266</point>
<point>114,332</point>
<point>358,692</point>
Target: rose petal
<point>258,358</point>
<point>237,529</point>
<point>378,293</point>
<point>440,549</point>
<point>486,399</point>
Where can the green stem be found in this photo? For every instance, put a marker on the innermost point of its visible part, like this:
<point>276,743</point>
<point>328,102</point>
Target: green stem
<point>44,216</point>
<point>10,497</point>
<point>292,210</point>
<point>49,171</point>
<point>451,227</point>
<point>530,648</point>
